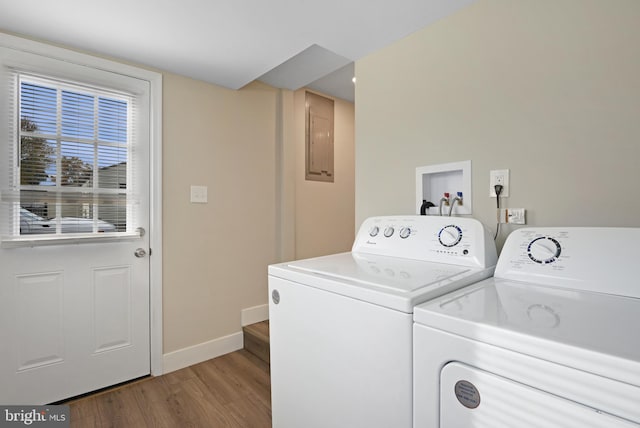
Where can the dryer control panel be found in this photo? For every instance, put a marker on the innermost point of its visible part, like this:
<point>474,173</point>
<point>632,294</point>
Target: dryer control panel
<point>453,240</point>
<point>597,259</point>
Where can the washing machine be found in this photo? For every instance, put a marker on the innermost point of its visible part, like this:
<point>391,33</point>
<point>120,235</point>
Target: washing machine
<point>341,325</point>
<point>552,340</point>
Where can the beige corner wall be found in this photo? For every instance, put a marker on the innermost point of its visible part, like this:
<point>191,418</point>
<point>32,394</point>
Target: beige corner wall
<point>247,146</point>
<point>549,89</point>
<point>216,254</point>
<point>325,212</point>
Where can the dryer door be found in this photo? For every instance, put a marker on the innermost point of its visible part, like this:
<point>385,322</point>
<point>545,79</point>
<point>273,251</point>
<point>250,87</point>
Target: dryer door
<point>470,397</point>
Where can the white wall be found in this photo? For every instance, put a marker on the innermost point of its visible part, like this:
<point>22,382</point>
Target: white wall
<point>549,89</point>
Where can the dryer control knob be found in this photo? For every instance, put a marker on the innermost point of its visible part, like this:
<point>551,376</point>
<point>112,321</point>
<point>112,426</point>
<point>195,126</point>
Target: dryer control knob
<point>389,231</point>
<point>405,232</point>
<point>374,231</point>
<point>544,249</point>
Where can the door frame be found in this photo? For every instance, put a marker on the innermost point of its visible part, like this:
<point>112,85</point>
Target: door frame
<point>155,169</point>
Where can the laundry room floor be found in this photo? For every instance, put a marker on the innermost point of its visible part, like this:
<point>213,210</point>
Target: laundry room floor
<point>229,391</point>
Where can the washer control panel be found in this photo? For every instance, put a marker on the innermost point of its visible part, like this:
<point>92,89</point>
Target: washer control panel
<point>453,240</point>
<point>389,231</point>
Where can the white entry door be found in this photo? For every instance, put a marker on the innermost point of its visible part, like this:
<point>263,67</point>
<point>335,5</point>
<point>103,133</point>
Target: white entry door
<point>74,318</point>
<point>74,208</point>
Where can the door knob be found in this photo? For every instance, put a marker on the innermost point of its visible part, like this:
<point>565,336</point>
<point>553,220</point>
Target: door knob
<point>140,252</point>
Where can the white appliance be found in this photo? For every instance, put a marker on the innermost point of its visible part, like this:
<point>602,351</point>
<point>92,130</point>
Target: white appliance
<point>552,340</point>
<point>341,325</point>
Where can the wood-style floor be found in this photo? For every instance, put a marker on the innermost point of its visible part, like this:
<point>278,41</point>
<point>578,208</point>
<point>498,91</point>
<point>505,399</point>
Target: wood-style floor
<point>229,391</point>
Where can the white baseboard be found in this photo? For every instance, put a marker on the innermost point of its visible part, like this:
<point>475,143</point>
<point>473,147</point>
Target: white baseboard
<point>255,314</point>
<point>214,348</point>
<point>201,352</point>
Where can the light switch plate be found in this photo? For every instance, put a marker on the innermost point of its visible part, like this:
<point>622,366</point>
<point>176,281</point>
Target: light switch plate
<point>199,194</point>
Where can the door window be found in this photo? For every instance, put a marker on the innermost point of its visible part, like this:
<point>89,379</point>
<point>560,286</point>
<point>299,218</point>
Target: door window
<point>73,169</point>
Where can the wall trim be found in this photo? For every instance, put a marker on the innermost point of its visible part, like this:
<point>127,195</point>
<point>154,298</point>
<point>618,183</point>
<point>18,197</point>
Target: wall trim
<point>255,314</point>
<point>195,354</point>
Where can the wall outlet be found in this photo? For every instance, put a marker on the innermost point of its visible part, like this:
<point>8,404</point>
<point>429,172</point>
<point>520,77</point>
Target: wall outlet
<point>499,176</point>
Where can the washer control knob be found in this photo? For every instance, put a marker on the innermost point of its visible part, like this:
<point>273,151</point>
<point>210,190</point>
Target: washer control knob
<point>544,249</point>
<point>374,231</point>
<point>405,232</point>
<point>450,235</point>
<point>389,231</point>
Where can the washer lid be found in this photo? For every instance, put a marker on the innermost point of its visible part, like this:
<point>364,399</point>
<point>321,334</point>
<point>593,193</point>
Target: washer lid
<point>392,282</point>
<point>389,273</point>
<point>595,331</point>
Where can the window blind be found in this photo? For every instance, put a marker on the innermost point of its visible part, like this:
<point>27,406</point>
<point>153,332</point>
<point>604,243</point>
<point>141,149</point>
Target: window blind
<point>70,166</point>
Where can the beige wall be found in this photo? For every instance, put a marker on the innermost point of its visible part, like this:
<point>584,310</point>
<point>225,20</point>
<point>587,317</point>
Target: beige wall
<point>548,89</point>
<point>325,211</point>
<point>247,146</point>
<point>215,254</point>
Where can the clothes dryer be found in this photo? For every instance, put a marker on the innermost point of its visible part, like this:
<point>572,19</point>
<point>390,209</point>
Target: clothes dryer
<point>341,325</point>
<point>550,341</point>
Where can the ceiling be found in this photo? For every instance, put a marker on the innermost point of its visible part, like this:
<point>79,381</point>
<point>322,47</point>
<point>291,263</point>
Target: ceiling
<point>285,43</point>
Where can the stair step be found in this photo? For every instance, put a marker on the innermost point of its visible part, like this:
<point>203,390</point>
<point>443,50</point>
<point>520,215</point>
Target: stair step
<point>256,339</point>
